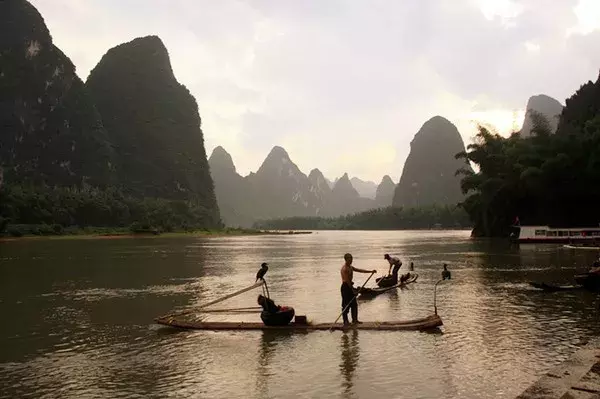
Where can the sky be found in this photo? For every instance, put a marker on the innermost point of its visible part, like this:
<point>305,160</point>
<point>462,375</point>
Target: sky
<point>344,85</point>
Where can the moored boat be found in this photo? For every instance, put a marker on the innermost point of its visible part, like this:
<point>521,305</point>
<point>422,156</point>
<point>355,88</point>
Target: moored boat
<point>558,235</point>
<point>582,246</point>
<point>589,281</point>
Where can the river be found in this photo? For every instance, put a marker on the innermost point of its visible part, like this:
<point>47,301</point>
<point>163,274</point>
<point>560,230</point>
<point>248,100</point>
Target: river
<point>78,315</point>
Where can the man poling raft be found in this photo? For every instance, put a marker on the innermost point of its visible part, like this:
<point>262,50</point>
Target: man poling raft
<point>390,282</point>
<point>392,278</point>
<point>347,289</point>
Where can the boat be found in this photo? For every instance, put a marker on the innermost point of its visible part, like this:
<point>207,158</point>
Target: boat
<point>281,318</point>
<point>553,287</point>
<point>425,323</point>
<point>387,281</point>
<point>368,293</point>
<point>589,281</point>
<point>558,235</point>
<point>582,246</point>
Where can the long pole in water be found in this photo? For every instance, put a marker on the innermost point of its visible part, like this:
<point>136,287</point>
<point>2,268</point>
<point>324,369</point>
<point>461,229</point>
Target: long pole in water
<point>353,299</point>
<point>435,295</point>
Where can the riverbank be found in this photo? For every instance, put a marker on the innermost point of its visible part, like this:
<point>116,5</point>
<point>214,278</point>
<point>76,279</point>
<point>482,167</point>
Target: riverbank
<point>123,233</point>
<point>577,377</point>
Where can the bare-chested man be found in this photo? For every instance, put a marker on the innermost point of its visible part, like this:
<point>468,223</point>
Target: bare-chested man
<point>347,290</point>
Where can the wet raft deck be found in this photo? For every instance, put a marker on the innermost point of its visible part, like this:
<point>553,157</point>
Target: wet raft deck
<point>425,323</point>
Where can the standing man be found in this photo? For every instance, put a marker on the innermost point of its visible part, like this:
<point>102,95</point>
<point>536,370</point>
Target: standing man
<point>393,261</point>
<point>390,279</point>
<point>347,290</point>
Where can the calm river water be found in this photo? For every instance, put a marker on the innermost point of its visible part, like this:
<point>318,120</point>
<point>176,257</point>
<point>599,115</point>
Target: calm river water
<point>78,315</point>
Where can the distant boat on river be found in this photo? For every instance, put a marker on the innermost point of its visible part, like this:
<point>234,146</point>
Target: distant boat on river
<point>575,237</point>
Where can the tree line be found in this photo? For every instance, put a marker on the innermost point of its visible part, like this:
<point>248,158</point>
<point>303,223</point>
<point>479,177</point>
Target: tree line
<point>389,218</point>
<point>49,210</point>
<point>546,179</point>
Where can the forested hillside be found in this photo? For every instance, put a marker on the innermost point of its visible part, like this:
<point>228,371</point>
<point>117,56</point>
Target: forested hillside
<point>547,179</point>
<point>52,134</point>
<point>126,149</point>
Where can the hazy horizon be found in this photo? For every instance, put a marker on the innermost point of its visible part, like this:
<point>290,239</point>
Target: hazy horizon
<point>343,86</point>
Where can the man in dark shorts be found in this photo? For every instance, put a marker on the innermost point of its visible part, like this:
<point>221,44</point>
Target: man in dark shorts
<point>347,290</point>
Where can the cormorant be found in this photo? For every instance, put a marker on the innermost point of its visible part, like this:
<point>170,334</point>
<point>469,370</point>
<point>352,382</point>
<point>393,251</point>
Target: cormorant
<point>446,273</point>
<point>262,271</point>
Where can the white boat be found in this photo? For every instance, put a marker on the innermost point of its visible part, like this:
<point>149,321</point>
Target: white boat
<point>582,247</point>
<point>556,235</point>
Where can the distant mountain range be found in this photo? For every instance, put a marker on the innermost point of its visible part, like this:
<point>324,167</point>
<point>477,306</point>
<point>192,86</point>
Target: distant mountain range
<point>279,189</point>
<point>366,189</point>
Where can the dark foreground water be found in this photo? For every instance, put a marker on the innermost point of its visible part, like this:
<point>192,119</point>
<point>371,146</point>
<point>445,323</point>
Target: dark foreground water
<point>77,318</point>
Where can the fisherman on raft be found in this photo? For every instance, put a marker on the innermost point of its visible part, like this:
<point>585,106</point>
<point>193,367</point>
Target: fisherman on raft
<point>392,277</point>
<point>347,290</point>
<point>393,261</point>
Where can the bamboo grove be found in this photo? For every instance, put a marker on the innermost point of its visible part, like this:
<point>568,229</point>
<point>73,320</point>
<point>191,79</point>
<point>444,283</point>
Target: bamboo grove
<point>546,179</point>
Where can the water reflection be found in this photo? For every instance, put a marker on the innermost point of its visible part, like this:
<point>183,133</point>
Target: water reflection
<point>270,341</point>
<point>393,298</point>
<point>350,354</point>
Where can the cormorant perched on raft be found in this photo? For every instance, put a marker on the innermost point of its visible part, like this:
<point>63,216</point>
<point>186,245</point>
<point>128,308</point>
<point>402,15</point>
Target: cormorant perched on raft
<point>446,273</point>
<point>262,271</point>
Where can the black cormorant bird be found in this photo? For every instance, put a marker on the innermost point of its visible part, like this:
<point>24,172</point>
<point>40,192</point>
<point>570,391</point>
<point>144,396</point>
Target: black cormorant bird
<point>262,271</point>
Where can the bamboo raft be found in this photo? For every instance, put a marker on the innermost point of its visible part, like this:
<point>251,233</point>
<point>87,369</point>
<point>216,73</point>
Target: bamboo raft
<point>370,293</point>
<point>425,323</point>
<point>187,320</point>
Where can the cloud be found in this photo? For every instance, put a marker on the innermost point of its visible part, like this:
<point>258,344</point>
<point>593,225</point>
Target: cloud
<point>344,85</point>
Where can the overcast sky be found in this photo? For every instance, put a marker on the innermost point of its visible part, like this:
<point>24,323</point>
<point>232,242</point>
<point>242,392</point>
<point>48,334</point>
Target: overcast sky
<point>344,85</point>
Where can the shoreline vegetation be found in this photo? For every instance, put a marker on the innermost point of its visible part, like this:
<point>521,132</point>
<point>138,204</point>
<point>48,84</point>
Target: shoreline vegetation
<point>124,233</point>
<point>42,211</point>
<point>28,232</point>
<point>389,218</point>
